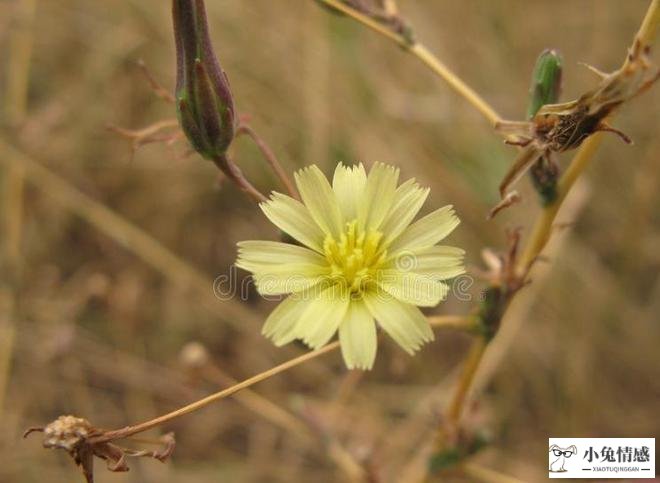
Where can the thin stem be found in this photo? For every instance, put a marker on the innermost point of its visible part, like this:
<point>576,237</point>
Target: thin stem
<point>270,158</point>
<point>543,227</point>
<point>455,408</point>
<point>152,423</point>
<point>650,24</point>
<point>235,174</point>
<point>422,53</point>
<point>257,403</point>
<point>455,82</point>
<point>461,322</point>
<point>16,96</point>
<point>279,416</point>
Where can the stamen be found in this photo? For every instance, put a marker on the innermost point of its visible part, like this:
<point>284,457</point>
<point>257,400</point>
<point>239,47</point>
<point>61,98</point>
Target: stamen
<point>355,258</point>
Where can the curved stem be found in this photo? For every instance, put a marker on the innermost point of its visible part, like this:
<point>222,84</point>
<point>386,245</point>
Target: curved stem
<point>422,53</point>
<point>270,158</point>
<point>152,423</point>
<point>235,174</point>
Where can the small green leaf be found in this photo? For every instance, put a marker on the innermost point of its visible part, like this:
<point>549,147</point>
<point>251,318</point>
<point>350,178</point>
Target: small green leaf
<point>444,459</point>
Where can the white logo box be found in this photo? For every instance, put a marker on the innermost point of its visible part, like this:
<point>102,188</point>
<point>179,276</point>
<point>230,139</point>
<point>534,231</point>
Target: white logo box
<point>601,458</point>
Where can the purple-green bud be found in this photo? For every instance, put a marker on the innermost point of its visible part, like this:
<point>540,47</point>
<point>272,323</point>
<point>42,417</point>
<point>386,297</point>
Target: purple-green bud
<point>205,106</point>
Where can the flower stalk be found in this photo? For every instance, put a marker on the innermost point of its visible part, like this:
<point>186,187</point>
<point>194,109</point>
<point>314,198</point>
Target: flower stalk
<point>202,403</point>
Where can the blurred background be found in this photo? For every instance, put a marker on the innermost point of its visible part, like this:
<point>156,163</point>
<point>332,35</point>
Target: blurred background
<point>111,315</point>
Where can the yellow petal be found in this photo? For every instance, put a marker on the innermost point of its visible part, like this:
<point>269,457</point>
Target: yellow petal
<point>378,196</point>
<point>412,288</point>
<point>408,200</point>
<point>436,262</point>
<point>257,256</point>
<point>322,317</point>
<point>275,283</point>
<point>405,323</point>
<point>357,336</point>
<point>280,268</point>
<point>320,200</point>
<point>427,231</point>
<point>348,184</point>
<point>282,321</point>
<point>292,217</point>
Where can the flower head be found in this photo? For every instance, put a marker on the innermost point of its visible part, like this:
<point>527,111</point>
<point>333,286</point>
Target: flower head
<point>363,261</point>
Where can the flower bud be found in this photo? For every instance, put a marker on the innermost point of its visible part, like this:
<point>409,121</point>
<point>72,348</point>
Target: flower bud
<point>205,106</point>
<point>545,89</point>
<point>546,81</point>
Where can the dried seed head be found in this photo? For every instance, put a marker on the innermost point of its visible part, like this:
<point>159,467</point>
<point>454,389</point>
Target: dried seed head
<point>66,432</point>
<point>562,127</point>
<point>83,442</point>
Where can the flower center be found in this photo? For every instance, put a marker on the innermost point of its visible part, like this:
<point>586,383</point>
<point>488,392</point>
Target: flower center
<point>355,257</point>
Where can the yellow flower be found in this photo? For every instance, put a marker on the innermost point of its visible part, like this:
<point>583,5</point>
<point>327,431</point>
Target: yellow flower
<point>362,261</point>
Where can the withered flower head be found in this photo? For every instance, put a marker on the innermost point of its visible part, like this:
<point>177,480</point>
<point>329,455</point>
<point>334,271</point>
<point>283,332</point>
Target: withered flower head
<point>66,432</point>
<point>83,441</point>
<point>204,102</point>
<point>562,127</point>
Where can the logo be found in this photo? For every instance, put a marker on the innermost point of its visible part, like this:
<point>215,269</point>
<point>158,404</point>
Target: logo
<point>601,457</point>
<point>561,455</point>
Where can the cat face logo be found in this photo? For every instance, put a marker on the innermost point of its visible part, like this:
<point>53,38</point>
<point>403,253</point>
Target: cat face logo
<point>558,457</point>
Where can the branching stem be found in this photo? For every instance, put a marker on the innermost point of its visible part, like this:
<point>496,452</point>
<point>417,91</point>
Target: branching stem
<point>543,228</point>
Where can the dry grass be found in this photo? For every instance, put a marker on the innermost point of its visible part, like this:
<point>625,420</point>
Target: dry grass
<point>100,327</point>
